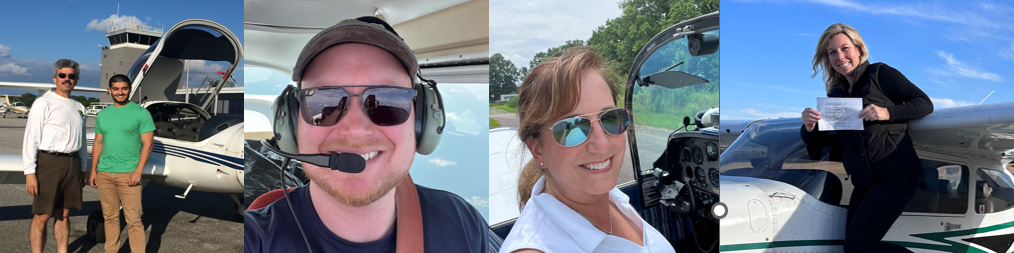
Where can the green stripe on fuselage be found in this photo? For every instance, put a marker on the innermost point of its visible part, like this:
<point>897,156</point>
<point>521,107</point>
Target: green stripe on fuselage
<point>950,246</point>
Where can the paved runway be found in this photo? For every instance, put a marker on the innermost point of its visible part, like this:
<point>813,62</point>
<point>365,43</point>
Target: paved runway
<point>203,222</point>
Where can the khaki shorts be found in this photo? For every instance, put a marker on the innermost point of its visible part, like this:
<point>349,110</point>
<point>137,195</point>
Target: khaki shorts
<point>60,184</point>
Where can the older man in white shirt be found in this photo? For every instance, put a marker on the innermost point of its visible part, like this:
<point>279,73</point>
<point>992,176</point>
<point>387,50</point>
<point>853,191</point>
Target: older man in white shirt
<point>53,151</point>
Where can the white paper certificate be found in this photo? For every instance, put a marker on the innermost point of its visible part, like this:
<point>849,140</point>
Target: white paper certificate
<point>839,114</point>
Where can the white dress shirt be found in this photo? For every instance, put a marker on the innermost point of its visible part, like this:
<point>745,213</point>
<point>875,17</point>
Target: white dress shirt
<point>546,224</point>
<point>56,124</point>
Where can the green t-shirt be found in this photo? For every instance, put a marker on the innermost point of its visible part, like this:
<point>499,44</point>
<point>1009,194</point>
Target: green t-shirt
<point>121,130</point>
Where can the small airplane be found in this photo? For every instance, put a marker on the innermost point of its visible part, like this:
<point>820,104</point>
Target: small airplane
<point>16,107</point>
<point>193,149</point>
<point>783,198</point>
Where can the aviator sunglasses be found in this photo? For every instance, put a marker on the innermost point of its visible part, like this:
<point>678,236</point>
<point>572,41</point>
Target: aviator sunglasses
<point>384,105</point>
<point>574,131</point>
<point>62,75</point>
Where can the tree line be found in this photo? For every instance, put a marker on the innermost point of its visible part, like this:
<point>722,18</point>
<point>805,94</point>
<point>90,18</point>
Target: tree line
<point>617,42</point>
<point>29,98</point>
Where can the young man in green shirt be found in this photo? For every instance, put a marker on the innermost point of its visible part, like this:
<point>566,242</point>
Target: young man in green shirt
<point>124,134</point>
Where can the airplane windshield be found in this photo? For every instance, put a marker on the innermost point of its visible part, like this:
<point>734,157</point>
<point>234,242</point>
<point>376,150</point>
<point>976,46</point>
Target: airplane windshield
<point>773,149</point>
<point>676,78</point>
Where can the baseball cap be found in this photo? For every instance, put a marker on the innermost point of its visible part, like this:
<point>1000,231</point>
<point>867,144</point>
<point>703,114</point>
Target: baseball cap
<point>366,30</point>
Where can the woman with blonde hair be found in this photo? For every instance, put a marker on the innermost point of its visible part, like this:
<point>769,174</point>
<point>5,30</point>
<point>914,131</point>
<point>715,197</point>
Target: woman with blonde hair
<point>571,125</point>
<point>881,159</point>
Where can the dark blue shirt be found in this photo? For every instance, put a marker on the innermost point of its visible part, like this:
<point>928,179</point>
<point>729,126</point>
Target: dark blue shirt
<point>449,225</point>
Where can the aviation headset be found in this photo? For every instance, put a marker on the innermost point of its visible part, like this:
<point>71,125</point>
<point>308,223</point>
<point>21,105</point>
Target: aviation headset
<point>429,107</point>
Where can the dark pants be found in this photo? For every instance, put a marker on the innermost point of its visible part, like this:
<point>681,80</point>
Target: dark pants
<point>60,183</point>
<point>874,208</point>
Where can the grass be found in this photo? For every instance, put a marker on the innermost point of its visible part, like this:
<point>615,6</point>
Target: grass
<point>504,107</point>
<point>493,123</point>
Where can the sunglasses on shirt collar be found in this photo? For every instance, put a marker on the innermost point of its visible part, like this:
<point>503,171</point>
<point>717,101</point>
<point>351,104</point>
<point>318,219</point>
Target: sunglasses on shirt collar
<point>574,131</point>
<point>384,105</point>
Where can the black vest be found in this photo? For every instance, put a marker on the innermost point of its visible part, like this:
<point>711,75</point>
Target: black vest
<point>883,148</point>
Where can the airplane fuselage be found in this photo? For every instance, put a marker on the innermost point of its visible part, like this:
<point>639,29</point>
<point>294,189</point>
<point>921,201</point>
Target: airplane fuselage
<point>771,216</point>
<point>212,165</point>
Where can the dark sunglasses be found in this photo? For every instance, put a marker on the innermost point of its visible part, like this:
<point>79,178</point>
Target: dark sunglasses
<point>384,105</point>
<point>574,131</point>
<point>72,76</point>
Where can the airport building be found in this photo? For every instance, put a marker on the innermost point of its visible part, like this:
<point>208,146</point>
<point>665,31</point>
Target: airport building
<point>127,42</point>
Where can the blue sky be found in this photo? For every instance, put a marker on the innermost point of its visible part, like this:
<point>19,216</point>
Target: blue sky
<point>34,34</point>
<point>955,51</point>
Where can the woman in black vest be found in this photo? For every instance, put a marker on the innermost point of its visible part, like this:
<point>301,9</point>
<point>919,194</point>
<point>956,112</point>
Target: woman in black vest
<point>880,159</point>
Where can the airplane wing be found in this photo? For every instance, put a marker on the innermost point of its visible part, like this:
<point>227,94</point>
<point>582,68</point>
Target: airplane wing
<point>11,170</point>
<point>44,87</point>
<point>980,128</point>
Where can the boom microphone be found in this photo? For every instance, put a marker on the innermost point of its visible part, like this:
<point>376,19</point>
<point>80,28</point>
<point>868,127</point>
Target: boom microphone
<point>344,162</point>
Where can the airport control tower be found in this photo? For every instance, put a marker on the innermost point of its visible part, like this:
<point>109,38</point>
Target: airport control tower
<point>126,43</point>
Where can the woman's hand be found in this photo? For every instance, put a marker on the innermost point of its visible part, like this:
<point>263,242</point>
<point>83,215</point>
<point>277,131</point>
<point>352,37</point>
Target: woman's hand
<point>810,117</point>
<point>874,113</point>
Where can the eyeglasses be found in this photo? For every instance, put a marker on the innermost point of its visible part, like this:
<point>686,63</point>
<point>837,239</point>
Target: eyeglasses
<point>574,131</point>
<point>72,76</point>
<point>384,105</point>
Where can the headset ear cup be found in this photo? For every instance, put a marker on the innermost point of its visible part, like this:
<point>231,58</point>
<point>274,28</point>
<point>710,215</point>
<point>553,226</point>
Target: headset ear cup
<point>286,113</point>
<point>420,113</point>
<point>429,119</point>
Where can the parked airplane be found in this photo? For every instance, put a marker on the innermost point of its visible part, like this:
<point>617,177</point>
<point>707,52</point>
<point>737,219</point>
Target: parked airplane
<point>783,198</point>
<point>193,149</point>
<point>6,106</point>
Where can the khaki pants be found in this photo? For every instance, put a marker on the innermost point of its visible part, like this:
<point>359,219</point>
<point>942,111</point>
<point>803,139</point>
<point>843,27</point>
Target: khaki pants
<point>113,191</point>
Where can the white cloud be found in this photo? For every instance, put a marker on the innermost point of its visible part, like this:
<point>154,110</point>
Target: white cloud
<point>960,68</point>
<point>478,201</point>
<point>1007,53</point>
<point>441,162</point>
<point>948,103</point>
<point>90,67</point>
<point>113,19</point>
<point>453,116</point>
<point>13,69</point>
<point>202,67</point>
<point>935,12</point>
<point>5,51</point>
<point>519,61</point>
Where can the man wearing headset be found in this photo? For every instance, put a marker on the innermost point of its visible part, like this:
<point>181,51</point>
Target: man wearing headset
<point>358,116</point>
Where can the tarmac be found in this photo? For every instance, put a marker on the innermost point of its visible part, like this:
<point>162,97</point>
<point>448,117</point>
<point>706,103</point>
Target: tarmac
<point>203,222</point>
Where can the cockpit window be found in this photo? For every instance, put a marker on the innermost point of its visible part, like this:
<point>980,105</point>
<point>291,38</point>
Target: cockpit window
<point>994,191</point>
<point>942,188</point>
<point>681,85</point>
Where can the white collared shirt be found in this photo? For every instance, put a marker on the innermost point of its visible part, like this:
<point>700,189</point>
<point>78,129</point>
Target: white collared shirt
<point>56,124</point>
<point>546,224</point>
